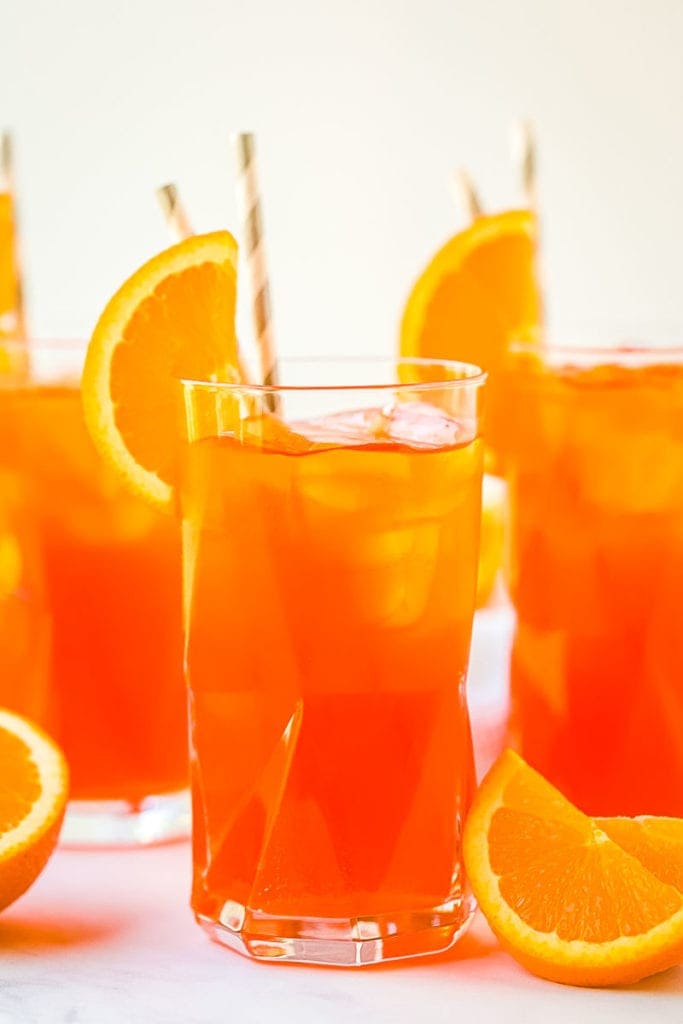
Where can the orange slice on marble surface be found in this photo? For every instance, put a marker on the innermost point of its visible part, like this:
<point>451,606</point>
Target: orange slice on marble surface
<point>33,798</point>
<point>563,897</point>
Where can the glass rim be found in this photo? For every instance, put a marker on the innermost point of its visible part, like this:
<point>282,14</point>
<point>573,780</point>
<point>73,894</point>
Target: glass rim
<point>29,344</point>
<point>608,353</point>
<point>472,376</point>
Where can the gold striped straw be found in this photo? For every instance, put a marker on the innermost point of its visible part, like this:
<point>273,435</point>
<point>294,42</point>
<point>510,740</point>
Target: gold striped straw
<point>7,185</point>
<point>523,146</point>
<point>249,210</point>
<point>466,195</point>
<point>174,212</point>
<point>6,163</point>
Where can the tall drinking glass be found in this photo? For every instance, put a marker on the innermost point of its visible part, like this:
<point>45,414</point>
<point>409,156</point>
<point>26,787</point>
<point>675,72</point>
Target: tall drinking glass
<point>109,568</point>
<point>595,468</point>
<point>330,563</point>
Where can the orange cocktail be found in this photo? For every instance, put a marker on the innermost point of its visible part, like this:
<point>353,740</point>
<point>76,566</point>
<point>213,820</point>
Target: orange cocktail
<point>109,572</point>
<point>330,571</point>
<point>595,459</point>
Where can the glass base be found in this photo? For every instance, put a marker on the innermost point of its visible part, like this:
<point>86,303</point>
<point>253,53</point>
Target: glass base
<point>156,819</point>
<point>339,942</point>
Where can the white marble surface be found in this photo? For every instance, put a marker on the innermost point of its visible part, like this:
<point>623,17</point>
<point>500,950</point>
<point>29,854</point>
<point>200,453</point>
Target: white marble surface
<point>107,938</point>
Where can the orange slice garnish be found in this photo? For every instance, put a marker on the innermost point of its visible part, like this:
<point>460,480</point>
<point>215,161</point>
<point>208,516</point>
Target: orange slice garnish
<point>477,295</point>
<point>175,317</point>
<point>32,802</point>
<point>566,900</point>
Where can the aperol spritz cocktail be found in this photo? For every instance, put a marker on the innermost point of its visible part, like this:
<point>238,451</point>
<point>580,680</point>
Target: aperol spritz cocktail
<point>330,574</point>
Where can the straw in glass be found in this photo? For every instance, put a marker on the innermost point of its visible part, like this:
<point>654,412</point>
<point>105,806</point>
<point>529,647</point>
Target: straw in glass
<point>174,212</point>
<point>6,162</point>
<point>249,210</point>
<point>466,195</point>
<point>523,146</point>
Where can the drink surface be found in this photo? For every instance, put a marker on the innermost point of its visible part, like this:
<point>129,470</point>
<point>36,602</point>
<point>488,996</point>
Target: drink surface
<point>596,574</point>
<point>329,590</point>
<point>111,575</point>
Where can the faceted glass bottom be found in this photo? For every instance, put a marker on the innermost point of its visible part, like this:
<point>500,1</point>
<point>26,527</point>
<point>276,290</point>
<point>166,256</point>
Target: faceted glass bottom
<point>156,819</point>
<point>339,942</point>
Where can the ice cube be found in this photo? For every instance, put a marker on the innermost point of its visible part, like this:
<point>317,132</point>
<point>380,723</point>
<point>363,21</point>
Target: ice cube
<point>390,573</point>
<point>410,424</point>
<point>387,476</point>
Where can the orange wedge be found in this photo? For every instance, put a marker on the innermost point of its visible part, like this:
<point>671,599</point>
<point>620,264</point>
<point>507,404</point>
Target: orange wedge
<point>175,317</point>
<point>32,801</point>
<point>477,294</point>
<point>566,900</point>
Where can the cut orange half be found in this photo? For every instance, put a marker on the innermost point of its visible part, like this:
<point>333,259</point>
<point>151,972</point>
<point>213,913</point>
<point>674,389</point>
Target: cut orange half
<point>564,899</point>
<point>32,801</point>
<point>175,317</point>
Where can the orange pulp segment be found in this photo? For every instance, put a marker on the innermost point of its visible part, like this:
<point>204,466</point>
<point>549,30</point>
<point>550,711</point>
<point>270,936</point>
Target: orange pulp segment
<point>656,842</point>
<point>32,802</point>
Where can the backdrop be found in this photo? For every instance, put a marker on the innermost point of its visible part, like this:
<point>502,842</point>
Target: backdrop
<point>363,108</point>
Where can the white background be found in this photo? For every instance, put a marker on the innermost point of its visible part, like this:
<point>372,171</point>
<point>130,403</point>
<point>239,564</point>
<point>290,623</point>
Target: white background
<point>363,108</point>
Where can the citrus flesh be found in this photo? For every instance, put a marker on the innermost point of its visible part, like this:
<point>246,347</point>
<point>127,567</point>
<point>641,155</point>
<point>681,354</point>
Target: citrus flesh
<point>566,900</point>
<point>477,294</point>
<point>656,842</point>
<point>32,803</point>
<point>173,318</point>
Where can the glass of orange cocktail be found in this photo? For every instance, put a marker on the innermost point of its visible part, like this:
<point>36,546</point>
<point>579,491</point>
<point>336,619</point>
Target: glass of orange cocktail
<point>107,577</point>
<point>595,469</point>
<point>330,562</point>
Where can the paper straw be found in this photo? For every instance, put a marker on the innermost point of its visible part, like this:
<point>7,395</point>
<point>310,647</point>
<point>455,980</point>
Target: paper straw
<point>7,184</point>
<point>174,212</point>
<point>466,195</point>
<point>523,147</point>
<point>6,163</point>
<point>249,210</point>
